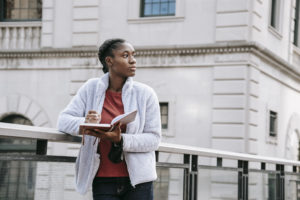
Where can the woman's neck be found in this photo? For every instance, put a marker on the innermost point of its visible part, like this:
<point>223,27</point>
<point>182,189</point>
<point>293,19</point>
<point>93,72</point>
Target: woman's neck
<point>116,83</point>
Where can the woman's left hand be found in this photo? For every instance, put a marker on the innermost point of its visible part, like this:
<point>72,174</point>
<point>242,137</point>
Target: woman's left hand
<point>113,136</point>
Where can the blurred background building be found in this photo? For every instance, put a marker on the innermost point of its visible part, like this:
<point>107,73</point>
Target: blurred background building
<point>226,73</point>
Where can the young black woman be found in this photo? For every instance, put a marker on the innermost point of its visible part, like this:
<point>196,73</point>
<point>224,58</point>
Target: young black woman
<point>101,164</point>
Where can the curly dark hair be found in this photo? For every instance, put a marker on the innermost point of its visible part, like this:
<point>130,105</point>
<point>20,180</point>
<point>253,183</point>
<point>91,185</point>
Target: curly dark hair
<point>106,50</point>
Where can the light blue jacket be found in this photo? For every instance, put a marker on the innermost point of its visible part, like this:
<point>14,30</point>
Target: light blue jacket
<point>141,139</point>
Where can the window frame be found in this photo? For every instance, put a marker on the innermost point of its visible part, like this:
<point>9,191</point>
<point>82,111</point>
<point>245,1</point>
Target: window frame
<point>161,115</point>
<point>2,10</point>
<point>273,133</point>
<point>296,24</point>
<point>275,13</point>
<point>271,140</point>
<point>277,30</point>
<point>142,7</point>
<point>171,100</point>
<point>3,19</point>
<point>133,14</point>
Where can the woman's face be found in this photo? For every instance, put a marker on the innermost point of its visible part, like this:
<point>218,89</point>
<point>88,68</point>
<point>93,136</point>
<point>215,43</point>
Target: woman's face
<point>123,63</point>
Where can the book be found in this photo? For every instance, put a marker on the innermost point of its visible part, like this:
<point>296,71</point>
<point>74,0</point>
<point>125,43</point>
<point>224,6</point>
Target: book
<point>123,119</point>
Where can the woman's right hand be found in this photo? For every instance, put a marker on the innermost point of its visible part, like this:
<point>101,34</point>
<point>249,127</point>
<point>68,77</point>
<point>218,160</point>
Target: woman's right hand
<point>113,136</point>
<point>92,117</point>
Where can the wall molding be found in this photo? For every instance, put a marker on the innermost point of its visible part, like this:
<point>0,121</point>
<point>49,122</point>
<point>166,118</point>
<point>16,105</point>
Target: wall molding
<point>49,53</point>
<point>173,51</point>
<point>21,24</point>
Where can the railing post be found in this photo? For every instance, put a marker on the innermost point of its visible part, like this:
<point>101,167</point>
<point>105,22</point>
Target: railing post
<point>41,147</point>
<point>219,162</point>
<point>194,177</point>
<point>242,180</point>
<point>280,182</point>
<point>190,179</point>
<point>186,160</point>
<point>156,156</point>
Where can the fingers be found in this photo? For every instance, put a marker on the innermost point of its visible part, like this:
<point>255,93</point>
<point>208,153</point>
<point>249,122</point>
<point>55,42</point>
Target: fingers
<point>117,127</point>
<point>119,124</point>
<point>90,132</point>
<point>92,112</point>
<point>99,131</point>
<point>114,135</point>
<point>92,117</point>
<point>95,132</point>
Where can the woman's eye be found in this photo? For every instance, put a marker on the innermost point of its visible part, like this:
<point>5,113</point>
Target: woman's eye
<point>125,55</point>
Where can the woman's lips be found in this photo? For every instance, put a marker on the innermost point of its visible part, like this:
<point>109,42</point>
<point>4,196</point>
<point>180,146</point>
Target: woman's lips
<point>132,68</point>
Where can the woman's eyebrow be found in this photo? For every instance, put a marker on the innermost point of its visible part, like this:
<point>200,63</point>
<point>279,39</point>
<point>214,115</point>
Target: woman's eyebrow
<point>128,51</point>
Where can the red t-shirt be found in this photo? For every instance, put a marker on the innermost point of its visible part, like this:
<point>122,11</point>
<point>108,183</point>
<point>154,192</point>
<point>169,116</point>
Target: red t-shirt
<point>112,107</point>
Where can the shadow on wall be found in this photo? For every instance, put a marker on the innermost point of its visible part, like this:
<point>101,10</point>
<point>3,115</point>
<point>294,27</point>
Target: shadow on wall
<point>292,140</point>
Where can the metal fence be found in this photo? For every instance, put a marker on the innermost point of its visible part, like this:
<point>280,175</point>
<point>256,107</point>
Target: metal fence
<point>184,172</point>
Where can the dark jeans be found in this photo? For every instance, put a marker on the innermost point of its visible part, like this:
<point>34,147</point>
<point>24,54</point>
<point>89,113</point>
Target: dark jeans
<point>121,189</point>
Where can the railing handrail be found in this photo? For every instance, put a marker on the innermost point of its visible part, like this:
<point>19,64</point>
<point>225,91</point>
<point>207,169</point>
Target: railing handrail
<point>34,132</point>
<point>52,134</point>
<point>20,24</point>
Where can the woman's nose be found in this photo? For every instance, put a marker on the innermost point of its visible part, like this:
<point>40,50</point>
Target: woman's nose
<point>132,60</point>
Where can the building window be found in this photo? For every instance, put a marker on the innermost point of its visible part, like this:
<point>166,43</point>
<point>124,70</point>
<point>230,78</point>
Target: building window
<point>20,10</point>
<point>273,124</point>
<point>296,24</point>
<point>164,113</point>
<point>153,8</point>
<point>275,14</point>
<point>17,178</point>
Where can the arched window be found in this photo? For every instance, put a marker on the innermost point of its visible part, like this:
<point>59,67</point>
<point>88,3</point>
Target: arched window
<point>17,178</point>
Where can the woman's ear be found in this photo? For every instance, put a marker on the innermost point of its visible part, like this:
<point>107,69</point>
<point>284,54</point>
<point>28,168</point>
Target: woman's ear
<point>109,61</point>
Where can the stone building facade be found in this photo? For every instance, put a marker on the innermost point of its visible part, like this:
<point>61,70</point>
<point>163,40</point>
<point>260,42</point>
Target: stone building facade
<point>227,69</point>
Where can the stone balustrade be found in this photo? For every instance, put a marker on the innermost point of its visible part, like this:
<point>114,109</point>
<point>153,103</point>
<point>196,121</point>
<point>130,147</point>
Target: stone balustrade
<point>20,35</point>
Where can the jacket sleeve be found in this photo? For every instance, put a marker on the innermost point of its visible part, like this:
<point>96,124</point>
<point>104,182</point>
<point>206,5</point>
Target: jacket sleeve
<point>150,138</point>
<point>74,114</point>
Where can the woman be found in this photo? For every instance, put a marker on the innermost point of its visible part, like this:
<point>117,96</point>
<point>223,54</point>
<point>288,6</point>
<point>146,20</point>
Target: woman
<point>101,164</point>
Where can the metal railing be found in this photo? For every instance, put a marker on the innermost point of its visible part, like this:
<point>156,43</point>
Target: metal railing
<point>189,163</point>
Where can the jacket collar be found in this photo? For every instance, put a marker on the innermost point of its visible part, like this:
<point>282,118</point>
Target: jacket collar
<point>104,82</point>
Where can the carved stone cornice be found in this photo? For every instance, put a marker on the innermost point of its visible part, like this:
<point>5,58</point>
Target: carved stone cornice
<point>172,52</point>
<point>140,51</point>
<point>194,50</point>
<point>49,53</point>
<point>222,49</point>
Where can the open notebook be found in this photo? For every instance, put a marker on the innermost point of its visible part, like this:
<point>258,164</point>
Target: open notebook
<point>123,119</point>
